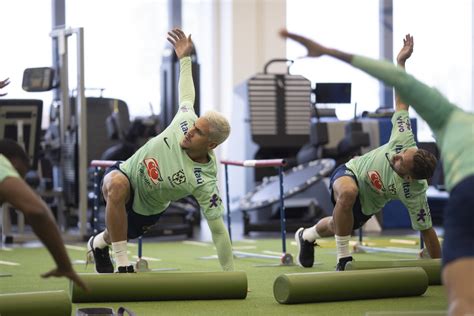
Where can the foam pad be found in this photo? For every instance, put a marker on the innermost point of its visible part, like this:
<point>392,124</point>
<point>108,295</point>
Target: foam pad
<point>120,287</point>
<point>432,267</point>
<point>407,313</point>
<point>349,285</point>
<point>50,303</point>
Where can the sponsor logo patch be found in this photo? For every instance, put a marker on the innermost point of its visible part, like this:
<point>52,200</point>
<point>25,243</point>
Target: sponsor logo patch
<point>376,180</point>
<point>197,174</point>
<point>179,177</point>
<point>403,125</point>
<point>392,189</point>
<point>153,170</point>
<point>166,142</point>
<point>215,199</point>
<point>421,216</point>
<point>406,189</point>
<point>184,127</point>
<point>348,172</point>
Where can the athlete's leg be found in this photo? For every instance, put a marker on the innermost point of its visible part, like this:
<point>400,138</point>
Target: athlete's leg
<point>458,249</point>
<point>345,194</point>
<point>458,278</point>
<point>116,191</point>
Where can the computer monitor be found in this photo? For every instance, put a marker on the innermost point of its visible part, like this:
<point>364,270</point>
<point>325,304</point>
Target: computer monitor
<point>333,93</point>
<point>20,120</point>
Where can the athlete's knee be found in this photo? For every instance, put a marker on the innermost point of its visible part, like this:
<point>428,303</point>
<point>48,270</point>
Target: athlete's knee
<point>116,187</point>
<point>347,196</point>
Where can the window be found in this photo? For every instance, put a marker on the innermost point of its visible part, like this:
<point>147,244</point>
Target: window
<point>25,44</point>
<point>350,25</point>
<point>443,54</point>
<point>123,45</point>
<point>443,32</point>
<point>202,33</point>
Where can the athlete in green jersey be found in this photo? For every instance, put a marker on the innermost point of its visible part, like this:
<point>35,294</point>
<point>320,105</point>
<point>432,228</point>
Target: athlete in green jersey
<point>454,132</point>
<point>14,164</point>
<point>361,187</point>
<point>177,163</point>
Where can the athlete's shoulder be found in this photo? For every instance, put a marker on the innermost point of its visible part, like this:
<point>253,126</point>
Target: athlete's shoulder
<point>412,190</point>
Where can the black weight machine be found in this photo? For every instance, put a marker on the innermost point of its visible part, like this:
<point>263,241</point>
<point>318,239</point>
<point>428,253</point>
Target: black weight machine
<point>283,117</point>
<point>354,137</point>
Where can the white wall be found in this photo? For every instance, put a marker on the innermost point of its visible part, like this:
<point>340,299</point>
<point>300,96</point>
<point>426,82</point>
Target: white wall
<point>248,39</point>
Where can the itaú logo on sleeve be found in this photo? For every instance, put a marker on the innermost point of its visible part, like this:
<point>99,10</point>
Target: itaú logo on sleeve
<point>153,170</point>
<point>376,180</point>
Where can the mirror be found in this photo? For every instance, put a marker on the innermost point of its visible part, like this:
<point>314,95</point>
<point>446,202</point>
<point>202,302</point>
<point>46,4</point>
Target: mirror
<point>38,79</point>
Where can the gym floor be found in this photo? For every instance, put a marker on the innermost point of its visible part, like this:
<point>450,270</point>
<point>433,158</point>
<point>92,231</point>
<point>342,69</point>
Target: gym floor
<point>26,263</point>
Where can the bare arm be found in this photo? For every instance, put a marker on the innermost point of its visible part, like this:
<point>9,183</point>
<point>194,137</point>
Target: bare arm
<point>315,49</point>
<point>183,45</point>
<point>4,83</point>
<point>431,242</point>
<point>16,192</point>
<point>432,106</point>
<point>402,57</point>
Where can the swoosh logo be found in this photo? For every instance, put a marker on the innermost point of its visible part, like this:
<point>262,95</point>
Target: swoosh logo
<point>166,142</point>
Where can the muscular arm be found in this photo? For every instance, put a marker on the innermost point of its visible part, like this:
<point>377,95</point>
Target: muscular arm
<point>221,239</point>
<point>16,192</point>
<point>432,106</point>
<point>431,242</point>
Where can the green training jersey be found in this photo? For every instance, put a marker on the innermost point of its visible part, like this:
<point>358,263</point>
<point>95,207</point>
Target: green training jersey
<point>378,183</point>
<point>7,169</point>
<point>161,171</point>
<point>456,141</point>
<point>453,127</point>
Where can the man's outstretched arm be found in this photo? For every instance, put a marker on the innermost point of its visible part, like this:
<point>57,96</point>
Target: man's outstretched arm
<point>4,83</point>
<point>221,239</point>
<point>16,192</point>
<point>432,106</point>
<point>431,242</point>
<point>183,47</point>
<point>402,57</point>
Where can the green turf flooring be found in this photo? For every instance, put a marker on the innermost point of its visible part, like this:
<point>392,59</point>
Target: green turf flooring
<point>185,256</point>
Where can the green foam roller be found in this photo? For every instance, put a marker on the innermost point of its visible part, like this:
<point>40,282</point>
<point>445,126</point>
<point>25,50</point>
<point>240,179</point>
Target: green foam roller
<point>49,303</point>
<point>432,267</point>
<point>119,287</point>
<point>408,313</point>
<point>349,285</point>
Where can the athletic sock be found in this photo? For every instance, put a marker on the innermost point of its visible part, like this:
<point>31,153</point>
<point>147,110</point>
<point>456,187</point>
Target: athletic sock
<point>99,241</point>
<point>120,253</point>
<point>311,234</point>
<point>342,244</point>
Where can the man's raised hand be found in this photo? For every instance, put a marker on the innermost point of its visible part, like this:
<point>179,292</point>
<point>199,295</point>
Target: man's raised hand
<point>183,45</point>
<point>406,50</point>
<point>4,83</point>
<point>314,48</point>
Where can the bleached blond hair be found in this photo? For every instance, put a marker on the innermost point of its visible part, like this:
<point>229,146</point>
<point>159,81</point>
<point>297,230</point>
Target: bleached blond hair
<point>219,127</point>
